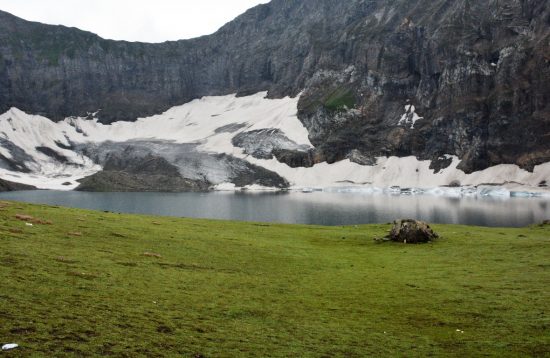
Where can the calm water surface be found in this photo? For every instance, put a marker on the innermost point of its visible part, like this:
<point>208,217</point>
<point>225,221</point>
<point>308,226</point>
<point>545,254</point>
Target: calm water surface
<point>305,208</point>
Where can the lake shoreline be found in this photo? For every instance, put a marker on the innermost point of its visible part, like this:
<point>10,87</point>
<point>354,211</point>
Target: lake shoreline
<point>349,207</point>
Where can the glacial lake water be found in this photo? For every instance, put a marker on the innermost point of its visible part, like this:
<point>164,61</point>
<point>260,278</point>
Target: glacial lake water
<point>320,208</point>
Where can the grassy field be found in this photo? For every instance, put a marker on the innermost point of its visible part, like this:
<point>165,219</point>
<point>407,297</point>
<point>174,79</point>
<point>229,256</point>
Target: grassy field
<point>84,283</point>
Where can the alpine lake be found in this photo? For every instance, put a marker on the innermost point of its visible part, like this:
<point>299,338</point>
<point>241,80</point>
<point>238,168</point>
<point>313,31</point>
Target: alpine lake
<point>312,208</point>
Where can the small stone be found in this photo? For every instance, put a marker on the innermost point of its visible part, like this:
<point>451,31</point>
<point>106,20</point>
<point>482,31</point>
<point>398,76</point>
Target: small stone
<point>7,347</point>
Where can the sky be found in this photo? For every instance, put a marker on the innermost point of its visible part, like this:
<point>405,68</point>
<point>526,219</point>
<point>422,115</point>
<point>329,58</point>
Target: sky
<point>134,20</point>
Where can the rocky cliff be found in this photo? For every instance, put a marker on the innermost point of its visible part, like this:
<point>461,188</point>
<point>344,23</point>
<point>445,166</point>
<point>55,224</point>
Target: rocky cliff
<point>427,78</point>
<point>6,185</point>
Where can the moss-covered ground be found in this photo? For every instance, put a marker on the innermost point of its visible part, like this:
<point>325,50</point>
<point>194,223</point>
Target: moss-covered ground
<point>84,283</point>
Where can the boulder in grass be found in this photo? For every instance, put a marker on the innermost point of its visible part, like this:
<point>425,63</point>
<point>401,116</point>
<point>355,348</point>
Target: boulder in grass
<point>411,232</point>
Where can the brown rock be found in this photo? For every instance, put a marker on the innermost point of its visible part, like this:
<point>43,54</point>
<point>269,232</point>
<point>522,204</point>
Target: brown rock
<point>23,217</point>
<point>411,232</point>
<point>33,220</point>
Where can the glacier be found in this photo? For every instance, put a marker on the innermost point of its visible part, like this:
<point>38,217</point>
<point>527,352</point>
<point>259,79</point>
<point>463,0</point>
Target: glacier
<point>37,151</point>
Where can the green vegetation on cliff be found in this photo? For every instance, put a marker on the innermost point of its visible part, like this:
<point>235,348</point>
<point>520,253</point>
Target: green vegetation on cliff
<point>85,283</point>
<point>340,99</point>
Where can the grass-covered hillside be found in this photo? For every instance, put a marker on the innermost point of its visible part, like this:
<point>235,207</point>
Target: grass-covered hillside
<point>84,283</point>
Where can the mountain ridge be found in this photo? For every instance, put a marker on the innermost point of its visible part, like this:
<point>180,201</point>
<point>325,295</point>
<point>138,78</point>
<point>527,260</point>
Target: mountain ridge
<point>375,78</point>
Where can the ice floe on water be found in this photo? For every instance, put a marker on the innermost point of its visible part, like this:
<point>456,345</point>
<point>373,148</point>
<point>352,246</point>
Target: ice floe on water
<point>450,192</point>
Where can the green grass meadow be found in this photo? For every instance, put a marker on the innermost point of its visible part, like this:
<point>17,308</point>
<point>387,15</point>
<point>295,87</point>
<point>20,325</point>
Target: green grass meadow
<point>80,283</point>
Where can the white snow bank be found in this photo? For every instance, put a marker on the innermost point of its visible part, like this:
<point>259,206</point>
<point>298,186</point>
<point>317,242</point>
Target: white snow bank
<point>406,172</point>
<point>199,121</point>
<point>212,122</point>
<point>410,116</point>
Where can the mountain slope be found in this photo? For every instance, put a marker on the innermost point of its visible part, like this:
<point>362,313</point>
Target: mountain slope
<point>264,49</point>
<point>376,78</point>
<point>6,185</point>
<point>224,143</point>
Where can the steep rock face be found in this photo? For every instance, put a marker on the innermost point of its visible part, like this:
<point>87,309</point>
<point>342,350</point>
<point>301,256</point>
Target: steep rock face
<point>379,78</point>
<point>148,173</point>
<point>6,185</point>
<point>59,72</point>
<point>462,77</point>
<point>262,143</point>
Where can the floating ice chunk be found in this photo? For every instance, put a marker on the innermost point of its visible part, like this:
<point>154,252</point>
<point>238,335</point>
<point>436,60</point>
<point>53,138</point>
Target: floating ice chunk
<point>522,194</point>
<point>351,189</point>
<point>496,191</point>
<point>452,192</point>
<point>530,194</point>
<point>225,187</point>
<point>445,191</point>
<point>256,187</point>
<point>435,191</point>
<point>411,191</point>
<point>394,190</point>
<point>468,191</point>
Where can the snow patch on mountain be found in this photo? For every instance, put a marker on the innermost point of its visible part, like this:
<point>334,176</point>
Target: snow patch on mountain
<point>53,155</point>
<point>210,123</point>
<point>410,116</point>
<point>407,172</point>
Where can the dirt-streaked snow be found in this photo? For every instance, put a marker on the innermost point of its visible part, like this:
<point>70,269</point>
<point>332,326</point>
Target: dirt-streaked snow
<point>211,123</point>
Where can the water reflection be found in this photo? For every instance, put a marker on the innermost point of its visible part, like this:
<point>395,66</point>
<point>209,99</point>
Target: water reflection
<point>312,208</point>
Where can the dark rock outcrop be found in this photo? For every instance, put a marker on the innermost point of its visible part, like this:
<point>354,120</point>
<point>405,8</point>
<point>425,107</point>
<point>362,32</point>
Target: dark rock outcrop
<point>411,232</point>
<point>6,185</point>
<point>297,159</point>
<point>149,173</point>
<point>262,143</point>
<point>18,157</point>
<point>406,77</point>
<point>170,167</point>
<point>122,181</point>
